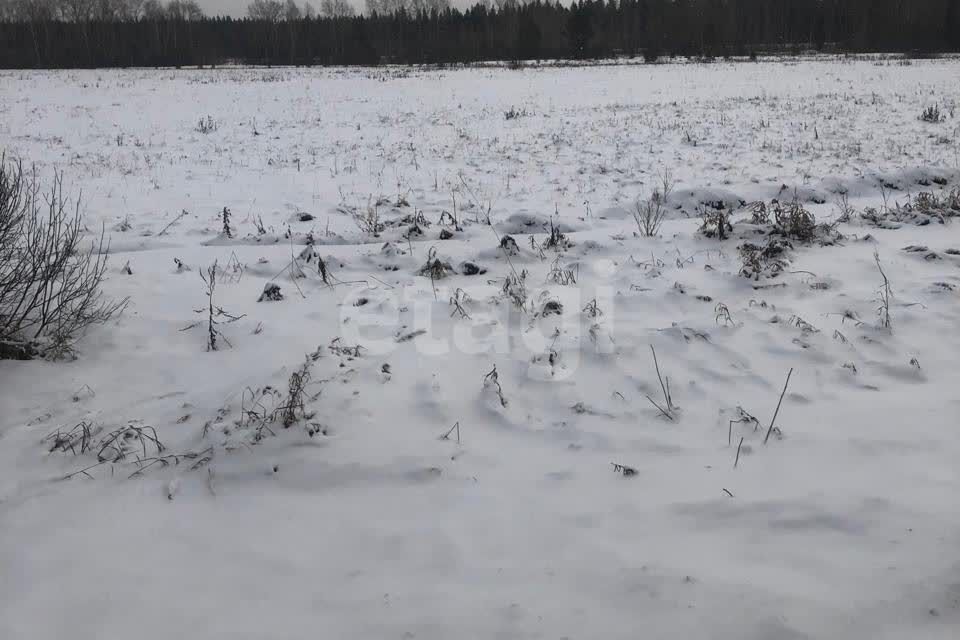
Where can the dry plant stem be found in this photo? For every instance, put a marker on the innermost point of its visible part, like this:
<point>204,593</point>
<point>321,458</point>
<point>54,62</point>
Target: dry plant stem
<point>661,409</point>
<point>737,460</point>
<point>665,387</point>
<point>183,213</point>
<point>886,294</point>
<point>455,427</point>
<point>774,420</point>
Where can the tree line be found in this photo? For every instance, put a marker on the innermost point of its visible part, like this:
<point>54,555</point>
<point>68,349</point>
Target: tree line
<point>122,33</point>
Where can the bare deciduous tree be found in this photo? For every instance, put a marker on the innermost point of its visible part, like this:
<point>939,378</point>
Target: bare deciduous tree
<point>336,9</point>
<point>266,10</point>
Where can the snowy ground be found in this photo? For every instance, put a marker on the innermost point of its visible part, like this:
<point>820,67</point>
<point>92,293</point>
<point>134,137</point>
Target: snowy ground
<point>845,524</point>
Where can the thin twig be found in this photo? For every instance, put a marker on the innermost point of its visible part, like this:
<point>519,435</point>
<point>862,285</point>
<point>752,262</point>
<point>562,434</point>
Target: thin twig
<point>670,417</point>
<point>774,420</point>
<point>183,212</point>
<point>657,366</point>
<point>456,427</point>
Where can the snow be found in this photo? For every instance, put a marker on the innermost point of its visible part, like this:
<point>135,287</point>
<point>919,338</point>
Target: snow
<point>843,525</point>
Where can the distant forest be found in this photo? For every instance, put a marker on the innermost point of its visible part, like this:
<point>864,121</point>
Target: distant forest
<point>123,33</point>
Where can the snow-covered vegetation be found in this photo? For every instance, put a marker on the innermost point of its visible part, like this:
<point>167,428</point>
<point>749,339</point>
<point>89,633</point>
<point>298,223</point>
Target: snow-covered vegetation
<point>627,351</point>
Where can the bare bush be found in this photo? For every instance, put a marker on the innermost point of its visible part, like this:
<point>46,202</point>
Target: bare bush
<point>767,261</point>
<point>844,208</point>
<point>715,223</point>
<point>649,215</point>
<point>794,221</point>
<point>49,279</point>
<point>368,220</point>
<point>557,241</point>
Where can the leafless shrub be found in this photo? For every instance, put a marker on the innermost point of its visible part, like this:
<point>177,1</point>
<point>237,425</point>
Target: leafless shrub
<point>766,261</point>
<point>264,407</point>
<point>50,284</point>
<point>649,215</point>
<point>666,186</point>
<point>557,240</point>
<point>793,221</point>
<point>920,210</point>
<point>759,214</point>
<point>845,209</point>
<point>368,220</point>
<point>255,413</point>
<point>715,223</point>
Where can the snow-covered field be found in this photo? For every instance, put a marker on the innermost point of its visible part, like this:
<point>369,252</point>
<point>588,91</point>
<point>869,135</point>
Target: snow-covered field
<point>565,504</point>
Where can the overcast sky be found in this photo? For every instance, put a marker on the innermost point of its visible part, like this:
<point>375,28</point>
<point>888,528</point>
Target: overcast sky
<point>238,8</point>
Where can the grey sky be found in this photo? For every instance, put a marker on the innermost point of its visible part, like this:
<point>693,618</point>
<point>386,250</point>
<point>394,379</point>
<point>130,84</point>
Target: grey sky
<point>235,8</point>
<point>238,8</point>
